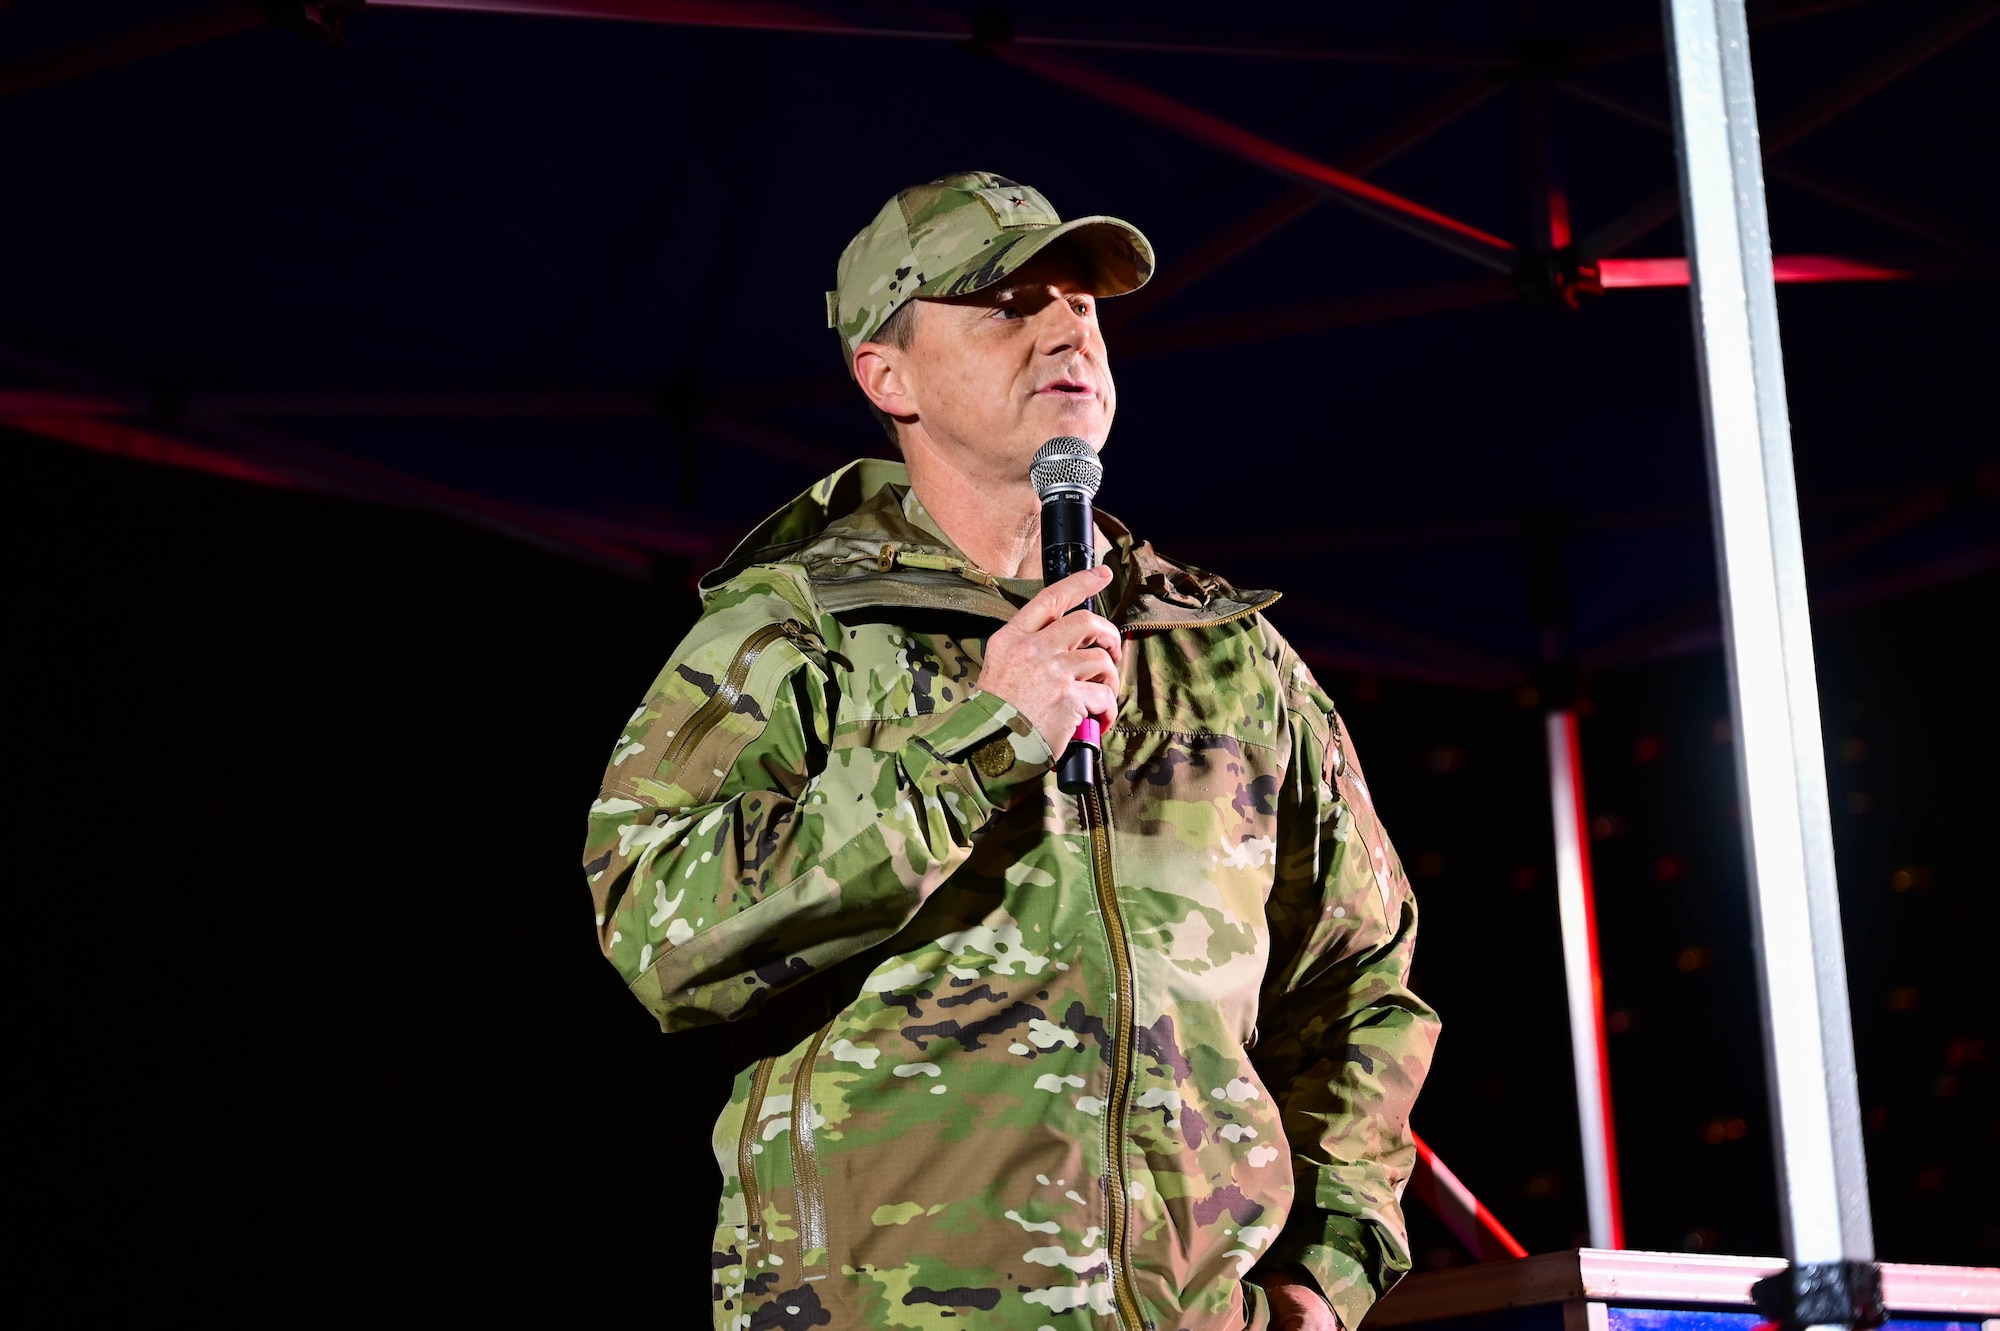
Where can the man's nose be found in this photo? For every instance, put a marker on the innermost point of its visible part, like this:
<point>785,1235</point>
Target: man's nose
<point>1060,327</point>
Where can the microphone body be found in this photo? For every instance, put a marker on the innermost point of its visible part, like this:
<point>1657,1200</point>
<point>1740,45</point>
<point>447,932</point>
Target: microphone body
<point>1066,474</point>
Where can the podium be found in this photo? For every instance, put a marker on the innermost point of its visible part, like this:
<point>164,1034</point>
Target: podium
<point>1594,1289</point>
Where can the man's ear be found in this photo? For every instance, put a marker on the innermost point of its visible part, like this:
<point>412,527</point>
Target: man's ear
<point>878,368</point>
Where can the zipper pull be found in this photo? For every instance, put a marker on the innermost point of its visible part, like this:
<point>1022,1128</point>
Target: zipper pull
<point>808,642</point>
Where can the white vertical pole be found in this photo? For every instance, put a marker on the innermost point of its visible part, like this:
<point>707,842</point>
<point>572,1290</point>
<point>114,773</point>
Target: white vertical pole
<point>1582,980</point>
<point>1781,771</point>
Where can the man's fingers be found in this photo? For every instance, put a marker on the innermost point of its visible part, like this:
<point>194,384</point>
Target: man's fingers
<point>1058,667</point>
<point>1079,587</point>
<point>1083,632</point>
<point>1085,629</point>
<point>1099,700</point>
<point>1091,663</point>
<point>1057,599</point>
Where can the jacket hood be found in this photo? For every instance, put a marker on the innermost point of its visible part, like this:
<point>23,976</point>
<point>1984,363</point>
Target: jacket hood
<point>858,542</point>
<point>840,498</point>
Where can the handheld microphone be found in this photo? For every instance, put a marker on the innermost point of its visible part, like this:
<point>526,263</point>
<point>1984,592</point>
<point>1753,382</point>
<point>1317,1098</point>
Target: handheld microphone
<point>1066,473</point>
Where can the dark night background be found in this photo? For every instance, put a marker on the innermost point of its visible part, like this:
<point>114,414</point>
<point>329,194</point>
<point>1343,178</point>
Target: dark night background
<point>312,1023</point>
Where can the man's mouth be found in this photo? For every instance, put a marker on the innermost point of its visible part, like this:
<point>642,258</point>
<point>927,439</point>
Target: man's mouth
<point>1068,387</point>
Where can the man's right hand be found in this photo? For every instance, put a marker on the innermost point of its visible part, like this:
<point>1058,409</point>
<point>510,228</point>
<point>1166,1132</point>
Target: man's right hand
<point>1054,667</point>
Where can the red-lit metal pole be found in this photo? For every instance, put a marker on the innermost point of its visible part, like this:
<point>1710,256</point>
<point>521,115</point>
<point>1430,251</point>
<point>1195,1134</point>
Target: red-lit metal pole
<point>1463,1214</point>
<point>1613,273</point>
<point>1584,982</point>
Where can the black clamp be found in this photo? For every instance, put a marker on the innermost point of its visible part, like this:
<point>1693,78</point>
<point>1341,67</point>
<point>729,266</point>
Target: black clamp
<point>1822,1294</point>
<point>1558,277</point>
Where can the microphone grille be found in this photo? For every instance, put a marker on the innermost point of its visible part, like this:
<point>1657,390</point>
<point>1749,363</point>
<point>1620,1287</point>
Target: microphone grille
<point>1065,463</point>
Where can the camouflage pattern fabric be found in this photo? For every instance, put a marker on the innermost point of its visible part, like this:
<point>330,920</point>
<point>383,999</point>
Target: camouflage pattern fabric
<point>1024,1060</point>
<point>962,233</point>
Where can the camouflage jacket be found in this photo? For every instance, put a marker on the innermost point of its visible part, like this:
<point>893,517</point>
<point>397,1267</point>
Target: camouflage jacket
<point>1027,1059</point>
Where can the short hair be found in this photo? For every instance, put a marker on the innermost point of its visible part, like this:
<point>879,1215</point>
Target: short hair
<point>899,330</point>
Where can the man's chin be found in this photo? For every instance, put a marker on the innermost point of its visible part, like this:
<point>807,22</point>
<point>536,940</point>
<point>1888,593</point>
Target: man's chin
<point>1085,420</point>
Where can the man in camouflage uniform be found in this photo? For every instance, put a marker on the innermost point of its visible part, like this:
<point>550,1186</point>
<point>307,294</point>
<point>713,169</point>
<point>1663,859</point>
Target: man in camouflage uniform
<point>1142,1058</point>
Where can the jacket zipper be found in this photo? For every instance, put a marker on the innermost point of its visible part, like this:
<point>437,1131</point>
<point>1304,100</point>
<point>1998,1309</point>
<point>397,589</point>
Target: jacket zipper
<point>746,1153</point>
<point>805,1162</point>
<point>723,701</point>
<point>706,717</point>
<point>1119,1200</point>
<point>1146,626</point>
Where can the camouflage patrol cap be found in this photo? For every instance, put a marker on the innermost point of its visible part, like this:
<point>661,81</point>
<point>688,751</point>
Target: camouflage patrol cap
<point>962,233</point>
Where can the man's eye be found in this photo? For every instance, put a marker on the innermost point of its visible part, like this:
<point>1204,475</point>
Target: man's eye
<point>1006,312</point>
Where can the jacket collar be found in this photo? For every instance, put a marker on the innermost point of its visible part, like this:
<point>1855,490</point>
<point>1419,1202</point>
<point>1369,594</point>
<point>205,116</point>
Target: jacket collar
<point>863,540</point>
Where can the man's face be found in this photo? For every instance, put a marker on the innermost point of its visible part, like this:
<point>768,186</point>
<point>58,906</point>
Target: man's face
<point>992,376</point>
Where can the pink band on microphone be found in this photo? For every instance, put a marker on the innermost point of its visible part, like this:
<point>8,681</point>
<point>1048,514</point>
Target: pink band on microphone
<point>1088,731</point>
